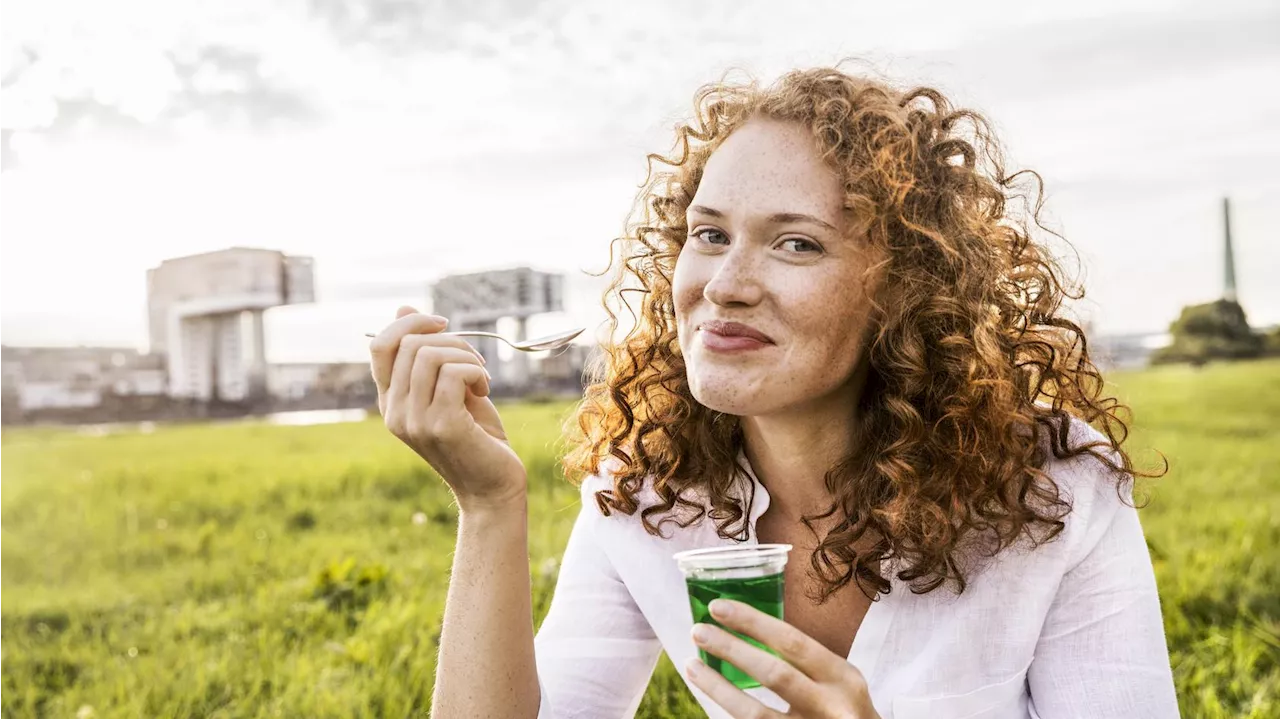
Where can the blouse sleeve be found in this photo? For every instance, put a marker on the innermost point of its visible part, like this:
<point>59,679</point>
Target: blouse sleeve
<point>595,650</point>
<point>1102,650</point>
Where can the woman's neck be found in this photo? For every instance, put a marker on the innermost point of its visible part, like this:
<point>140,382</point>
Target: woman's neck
<point>792,452</point>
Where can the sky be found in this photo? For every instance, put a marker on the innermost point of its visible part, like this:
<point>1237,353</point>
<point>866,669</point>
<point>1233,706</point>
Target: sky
<point>396,150</point>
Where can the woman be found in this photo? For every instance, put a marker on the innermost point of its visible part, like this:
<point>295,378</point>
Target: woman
<point>847,341</point>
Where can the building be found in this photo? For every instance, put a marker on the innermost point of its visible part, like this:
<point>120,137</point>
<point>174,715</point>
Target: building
<point>343,383</point>
<point>207,355</point>
<point>477,301</point>
<point>205,316</point>
<point>563,369</point>
<point>65,381</point>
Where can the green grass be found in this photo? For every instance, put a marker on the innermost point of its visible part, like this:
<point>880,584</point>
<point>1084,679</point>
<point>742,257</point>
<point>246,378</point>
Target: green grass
<point>248,570</point>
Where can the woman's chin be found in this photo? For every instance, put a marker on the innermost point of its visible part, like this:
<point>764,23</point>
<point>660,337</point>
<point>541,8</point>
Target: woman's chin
<point>727,397</point>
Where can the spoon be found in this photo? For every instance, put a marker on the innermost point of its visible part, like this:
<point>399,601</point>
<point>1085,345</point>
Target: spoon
<point>537,344</point>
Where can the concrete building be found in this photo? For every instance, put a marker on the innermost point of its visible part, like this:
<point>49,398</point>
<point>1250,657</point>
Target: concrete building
<point>207,355</point>
<point>339,381</point>
<point>206,318</point>
<point>67,380</point>
<point>476,301</point>
<point>563,369</point>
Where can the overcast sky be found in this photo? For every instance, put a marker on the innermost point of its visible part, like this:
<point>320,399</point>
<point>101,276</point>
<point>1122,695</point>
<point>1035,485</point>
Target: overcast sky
<point>488,136</point>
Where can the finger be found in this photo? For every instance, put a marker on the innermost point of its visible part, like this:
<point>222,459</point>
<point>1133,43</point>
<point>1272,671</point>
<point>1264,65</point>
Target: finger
<point>785,680</point>
<point>437,413</point>
<point>411,346</point>
<point>797,648</point>
<point>454,381</point>
<point>408,411</point>
<point>415,387</point>
<point>722,691</point>
<point>405,310</point>
<point>441,340</point>
<point>384,347</point>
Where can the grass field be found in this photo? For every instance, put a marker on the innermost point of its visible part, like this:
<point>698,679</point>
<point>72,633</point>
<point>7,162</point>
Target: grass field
<point>257,571</point>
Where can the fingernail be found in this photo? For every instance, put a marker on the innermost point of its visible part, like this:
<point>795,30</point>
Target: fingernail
<point>438,318</point>
<point>693,666</point>
<point>721,608</point>
<point>700,633</point>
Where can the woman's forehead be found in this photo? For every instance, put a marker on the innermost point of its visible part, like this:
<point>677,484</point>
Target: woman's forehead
<point>773,167</point>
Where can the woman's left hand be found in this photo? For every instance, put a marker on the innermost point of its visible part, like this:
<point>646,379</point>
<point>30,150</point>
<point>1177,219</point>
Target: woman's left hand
<point>815,682</point>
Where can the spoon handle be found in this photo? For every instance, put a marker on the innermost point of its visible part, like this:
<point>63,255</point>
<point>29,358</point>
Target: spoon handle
<point>459,333</point>
<point>467,333</point>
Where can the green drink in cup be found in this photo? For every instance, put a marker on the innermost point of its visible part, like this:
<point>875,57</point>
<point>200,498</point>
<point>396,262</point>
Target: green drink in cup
<point>749,574</point>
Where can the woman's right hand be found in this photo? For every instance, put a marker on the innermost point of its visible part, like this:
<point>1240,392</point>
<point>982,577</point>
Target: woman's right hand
<point>433,392</point>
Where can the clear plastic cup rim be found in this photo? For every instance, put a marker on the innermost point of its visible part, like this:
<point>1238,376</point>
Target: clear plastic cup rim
<point>743,557</point>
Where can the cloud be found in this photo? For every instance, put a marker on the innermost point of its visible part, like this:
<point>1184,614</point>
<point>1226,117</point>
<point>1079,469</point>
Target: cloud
<point>1084,54</point>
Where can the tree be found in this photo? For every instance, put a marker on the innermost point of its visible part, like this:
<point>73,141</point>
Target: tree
<point>1215,330</point>
<point>1273,342</point>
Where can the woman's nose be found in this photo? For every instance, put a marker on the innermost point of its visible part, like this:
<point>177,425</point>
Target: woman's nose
<point>736,280</point>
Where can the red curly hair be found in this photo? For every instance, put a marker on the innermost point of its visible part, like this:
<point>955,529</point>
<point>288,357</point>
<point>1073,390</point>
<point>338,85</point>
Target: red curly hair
<point>975,372</point>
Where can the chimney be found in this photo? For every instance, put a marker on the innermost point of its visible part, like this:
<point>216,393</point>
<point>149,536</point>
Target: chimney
<point>1228,258</point>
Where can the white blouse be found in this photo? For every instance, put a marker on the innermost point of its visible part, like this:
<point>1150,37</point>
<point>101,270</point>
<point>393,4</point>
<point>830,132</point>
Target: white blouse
<point>1066,631</point>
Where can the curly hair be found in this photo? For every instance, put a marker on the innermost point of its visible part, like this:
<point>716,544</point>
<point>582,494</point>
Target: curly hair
<point>975,371</point>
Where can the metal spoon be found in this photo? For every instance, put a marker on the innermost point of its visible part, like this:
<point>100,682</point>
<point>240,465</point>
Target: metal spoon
<point>538,344</point>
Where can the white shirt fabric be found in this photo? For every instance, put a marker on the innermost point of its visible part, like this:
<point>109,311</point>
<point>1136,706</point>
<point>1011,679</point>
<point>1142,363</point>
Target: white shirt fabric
<point>1070,630</point>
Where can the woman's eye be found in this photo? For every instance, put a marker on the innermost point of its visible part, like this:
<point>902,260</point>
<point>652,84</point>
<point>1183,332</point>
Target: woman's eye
<point>796,244</point>
<point>712,237</point>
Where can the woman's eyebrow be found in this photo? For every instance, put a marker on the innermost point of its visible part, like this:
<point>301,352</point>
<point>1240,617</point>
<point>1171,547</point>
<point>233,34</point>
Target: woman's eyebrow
<point>778,218</point>
<point>786,217</point>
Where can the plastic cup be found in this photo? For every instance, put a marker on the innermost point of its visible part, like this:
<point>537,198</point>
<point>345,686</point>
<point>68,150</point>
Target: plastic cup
<point>751,574</point>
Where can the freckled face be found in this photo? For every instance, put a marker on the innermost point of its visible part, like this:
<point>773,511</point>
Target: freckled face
<point>769,295</point>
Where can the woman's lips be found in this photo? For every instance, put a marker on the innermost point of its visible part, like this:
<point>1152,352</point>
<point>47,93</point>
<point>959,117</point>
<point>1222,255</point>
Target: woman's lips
<point>731,336</point>
<point>729,343</point>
